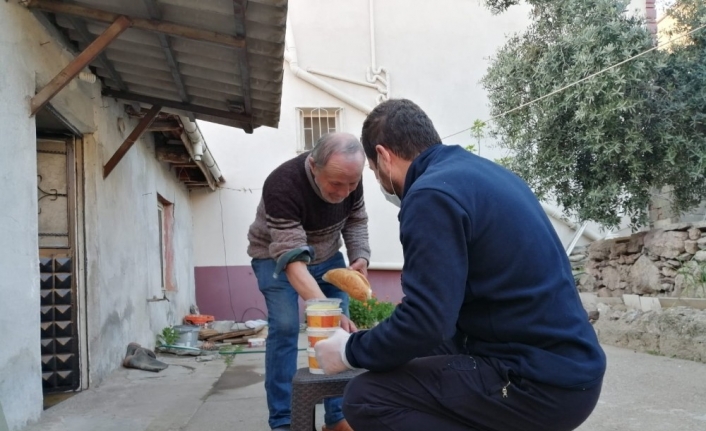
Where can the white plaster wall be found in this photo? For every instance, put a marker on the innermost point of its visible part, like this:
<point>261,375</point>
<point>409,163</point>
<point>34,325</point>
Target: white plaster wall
<point>121,232</point>
<point>123,245</point>
<point>20,372</point>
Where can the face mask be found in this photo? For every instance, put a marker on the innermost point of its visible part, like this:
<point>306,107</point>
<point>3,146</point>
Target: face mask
<point>390,197</point>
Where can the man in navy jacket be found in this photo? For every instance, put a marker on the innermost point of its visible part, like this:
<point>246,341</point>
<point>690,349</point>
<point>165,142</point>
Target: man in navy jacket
<point>491,334</point>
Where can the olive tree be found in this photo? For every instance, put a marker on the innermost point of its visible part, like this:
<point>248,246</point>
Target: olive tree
<point>600,147</point>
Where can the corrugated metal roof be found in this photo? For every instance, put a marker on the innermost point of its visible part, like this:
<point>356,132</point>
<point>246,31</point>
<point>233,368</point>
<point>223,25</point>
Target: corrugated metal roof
<point>211,73</point>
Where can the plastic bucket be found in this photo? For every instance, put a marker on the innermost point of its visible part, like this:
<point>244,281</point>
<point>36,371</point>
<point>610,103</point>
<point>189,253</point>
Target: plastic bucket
<point>313,364</point>
<point>323,318</point>
<point>317,334</point>
<point>323,304</point>
<point>188,335</point>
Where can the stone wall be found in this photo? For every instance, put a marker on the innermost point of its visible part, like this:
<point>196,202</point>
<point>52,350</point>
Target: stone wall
<point>670,261</point>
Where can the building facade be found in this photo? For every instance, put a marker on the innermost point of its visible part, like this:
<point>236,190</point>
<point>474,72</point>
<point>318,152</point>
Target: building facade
<point>343,57</point>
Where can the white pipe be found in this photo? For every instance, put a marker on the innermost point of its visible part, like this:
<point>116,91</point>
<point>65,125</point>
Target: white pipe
<point>194,136</point>
<point>343,78</point>
<point>201,151</point>
<point>557,215</point>
<point>290,54</point>
<point>373,67</point>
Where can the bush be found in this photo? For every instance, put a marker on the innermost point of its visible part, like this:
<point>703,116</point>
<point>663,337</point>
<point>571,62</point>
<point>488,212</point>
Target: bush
<point>367,314</point>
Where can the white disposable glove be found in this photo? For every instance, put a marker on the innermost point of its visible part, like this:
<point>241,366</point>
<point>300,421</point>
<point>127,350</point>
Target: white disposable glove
<point>331,353</point>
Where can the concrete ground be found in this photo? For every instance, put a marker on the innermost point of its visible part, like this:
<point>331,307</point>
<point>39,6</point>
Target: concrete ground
<point>641,393</point>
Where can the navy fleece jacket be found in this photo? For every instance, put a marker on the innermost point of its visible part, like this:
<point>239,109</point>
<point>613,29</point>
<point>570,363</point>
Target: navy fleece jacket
<point>481,258</point>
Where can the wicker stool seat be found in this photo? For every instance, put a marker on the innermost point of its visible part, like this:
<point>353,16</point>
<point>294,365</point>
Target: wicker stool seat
<point>310,389</point>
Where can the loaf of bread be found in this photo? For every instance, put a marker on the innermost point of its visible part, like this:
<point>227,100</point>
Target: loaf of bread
<point>352,282</point>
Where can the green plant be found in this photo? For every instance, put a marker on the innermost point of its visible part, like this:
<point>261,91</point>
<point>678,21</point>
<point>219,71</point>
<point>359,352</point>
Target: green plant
<point>478,132</point>
<point>367,314</point>
<point>229,352</point>
<point>694,279</point>
<point>168,336</point>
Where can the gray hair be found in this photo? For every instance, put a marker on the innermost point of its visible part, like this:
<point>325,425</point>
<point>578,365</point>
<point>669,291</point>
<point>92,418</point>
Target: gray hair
<point>335,143</point>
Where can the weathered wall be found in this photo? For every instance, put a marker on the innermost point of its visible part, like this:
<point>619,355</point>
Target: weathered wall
<point>123,245</point>
<point>20,373</point>
<point>121,234</point>
<point>663,262</point>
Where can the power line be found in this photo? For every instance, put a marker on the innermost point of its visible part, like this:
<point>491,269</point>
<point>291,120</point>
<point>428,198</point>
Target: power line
<point>573,84</point>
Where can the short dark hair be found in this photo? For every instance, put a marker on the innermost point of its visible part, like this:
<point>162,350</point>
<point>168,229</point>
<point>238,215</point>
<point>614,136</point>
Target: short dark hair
<point>401,126</point>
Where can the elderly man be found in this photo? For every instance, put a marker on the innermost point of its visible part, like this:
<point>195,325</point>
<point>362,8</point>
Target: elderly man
<point>307,204</point>
<point>491,334</point>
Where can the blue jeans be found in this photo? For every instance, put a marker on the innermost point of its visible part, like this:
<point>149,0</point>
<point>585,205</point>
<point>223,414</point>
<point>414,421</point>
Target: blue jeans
<point>283,335</point>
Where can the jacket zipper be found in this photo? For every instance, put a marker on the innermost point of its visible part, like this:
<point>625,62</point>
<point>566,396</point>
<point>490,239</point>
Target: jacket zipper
<point>504,390</point>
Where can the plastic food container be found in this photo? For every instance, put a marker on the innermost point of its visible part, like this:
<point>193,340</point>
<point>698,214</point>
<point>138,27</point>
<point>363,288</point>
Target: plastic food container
<point>323,304</point>
<point>256,342</point>
<point>323,318</point>
<point>317,334</point>
<point>313,364</point>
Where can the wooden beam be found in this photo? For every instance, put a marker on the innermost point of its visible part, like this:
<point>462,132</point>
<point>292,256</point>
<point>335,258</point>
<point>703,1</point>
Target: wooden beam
<point>77,64</point>
<point>134,136</point>
<point>156,14</point>
<point>87,37</point>
<point>164,126</point>
<point>186,107</point>
<point>155,26</point>
<point>239,9</point>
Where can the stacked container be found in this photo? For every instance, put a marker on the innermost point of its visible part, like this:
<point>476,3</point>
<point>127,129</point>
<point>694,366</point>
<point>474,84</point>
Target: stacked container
<point>323,316</point>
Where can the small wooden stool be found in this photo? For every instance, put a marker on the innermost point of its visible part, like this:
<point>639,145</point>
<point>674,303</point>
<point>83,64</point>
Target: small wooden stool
<point>310,389</point>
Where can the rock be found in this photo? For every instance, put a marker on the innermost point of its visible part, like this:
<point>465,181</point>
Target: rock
<point>700,256</point>
<point>618,249</point>
<point>674,263</point>
<point>587,283</point>
<point>631,258</point>
<point>636,243</point>
<point>691,247</point>
<point>593,316</point>
<point>668,244</point>
<point>644,277</point>
<point>669,272</point>
<point>666,287</point>
<point>600,250</point>
<point>684,257</point>
<point>592,268</point>
<point>694,233</point>
<point>603,293</point>
<point>611,278</point>
<point>701,243</point>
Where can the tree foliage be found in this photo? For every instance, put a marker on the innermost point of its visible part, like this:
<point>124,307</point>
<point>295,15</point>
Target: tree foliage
<point>600,147</point>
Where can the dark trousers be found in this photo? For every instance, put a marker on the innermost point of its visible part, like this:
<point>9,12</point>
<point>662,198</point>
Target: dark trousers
<point>461,392</point>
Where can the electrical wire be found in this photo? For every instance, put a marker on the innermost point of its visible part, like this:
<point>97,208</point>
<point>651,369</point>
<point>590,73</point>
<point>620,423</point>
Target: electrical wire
<point>573,84</point>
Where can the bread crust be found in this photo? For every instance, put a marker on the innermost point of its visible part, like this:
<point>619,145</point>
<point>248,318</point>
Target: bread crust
<point>352,282</point>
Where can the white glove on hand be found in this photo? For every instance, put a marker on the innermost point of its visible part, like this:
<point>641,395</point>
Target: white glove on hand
<point>331,353</point>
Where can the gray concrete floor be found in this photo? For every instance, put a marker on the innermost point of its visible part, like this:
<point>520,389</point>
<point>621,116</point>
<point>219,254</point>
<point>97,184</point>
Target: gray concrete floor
<point>641,392</point>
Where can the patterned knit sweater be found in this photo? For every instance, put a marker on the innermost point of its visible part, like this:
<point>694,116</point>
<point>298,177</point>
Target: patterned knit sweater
<point>292,213</point>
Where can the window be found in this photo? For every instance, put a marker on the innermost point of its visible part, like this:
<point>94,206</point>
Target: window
<point>316,122</point>
<point>165,223</point>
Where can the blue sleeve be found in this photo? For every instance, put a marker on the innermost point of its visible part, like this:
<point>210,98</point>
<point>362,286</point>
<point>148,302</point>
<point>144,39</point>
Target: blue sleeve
<point>434,231</point>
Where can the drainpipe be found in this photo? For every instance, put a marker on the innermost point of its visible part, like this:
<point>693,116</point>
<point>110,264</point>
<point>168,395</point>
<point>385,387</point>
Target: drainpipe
<point>290,54</point>
<point>201,153</point>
